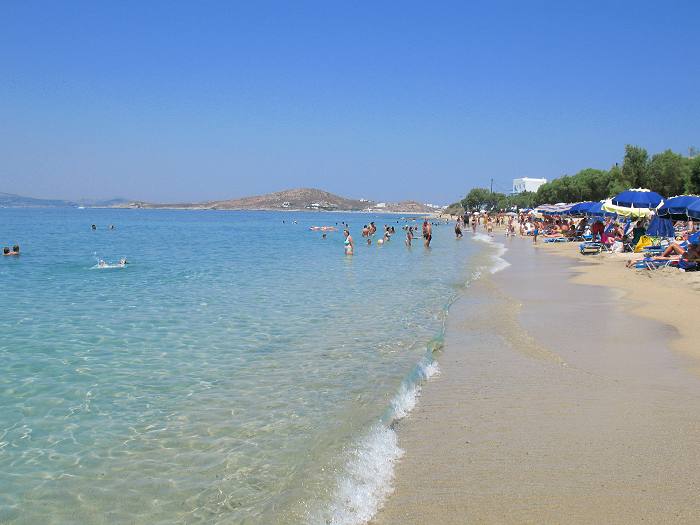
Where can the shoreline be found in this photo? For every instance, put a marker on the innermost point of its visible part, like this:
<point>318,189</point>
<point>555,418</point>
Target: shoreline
<point>554,404</point>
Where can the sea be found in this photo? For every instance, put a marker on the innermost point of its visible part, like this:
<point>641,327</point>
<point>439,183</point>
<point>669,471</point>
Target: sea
<point>239,369</point>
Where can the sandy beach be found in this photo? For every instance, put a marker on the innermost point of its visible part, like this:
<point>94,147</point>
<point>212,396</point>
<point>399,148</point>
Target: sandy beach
<point>569,393</point>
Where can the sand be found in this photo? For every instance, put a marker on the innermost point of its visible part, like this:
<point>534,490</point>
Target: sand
<point>558,401</point>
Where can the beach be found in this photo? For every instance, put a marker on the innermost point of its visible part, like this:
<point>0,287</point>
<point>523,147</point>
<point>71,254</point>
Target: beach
<point>569,393</point>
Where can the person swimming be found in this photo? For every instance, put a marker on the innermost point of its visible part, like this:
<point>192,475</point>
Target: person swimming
<point>94,227</point>
<point>14,251</point>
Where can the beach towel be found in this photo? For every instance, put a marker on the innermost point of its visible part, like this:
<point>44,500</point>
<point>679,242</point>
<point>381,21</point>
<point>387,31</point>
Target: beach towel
<point>643,242</point>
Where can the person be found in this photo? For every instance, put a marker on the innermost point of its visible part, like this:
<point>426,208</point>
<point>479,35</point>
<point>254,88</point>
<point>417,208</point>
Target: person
<point>535,232</point>
<point>111,226</point>
<point>94,227</point>
<point>409,236</point>
<point>489,226</point>
<point>458,230</point>
<point>349,244</point>
<point>637,233</point>
<point>365,231</point>
<point>372,228</point>
<point>675,252</point>
<point>14,251</point>
<point>123,262</point>
<point>597,229</point>
<point>101,264</point>
<point>387,233</point>
<point>427,233</point>
<point>323,236</point>
<point>475,222</point>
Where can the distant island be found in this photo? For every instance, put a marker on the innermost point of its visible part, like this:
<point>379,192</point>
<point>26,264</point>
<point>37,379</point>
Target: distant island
<point>10,200</point>
<point>290,200</point>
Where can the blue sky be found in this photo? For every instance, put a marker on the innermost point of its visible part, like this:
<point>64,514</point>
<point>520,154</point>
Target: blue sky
<point>185,101</point>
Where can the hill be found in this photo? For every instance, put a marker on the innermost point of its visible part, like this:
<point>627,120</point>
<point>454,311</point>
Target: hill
<point>10,200</point>
<point>295,199</point>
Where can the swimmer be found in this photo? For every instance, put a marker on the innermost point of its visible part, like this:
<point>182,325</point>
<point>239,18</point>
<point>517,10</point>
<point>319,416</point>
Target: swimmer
<point>323,236</point>
<point>123,262</point>
<point>14,251</point>
<point>101,264</point>
<point>111,226</point>
<point>94,227</point>
<point>427,234</point>
<point>349,244</point>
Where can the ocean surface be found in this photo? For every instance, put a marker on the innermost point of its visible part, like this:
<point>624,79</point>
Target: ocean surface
<point>240,369</point>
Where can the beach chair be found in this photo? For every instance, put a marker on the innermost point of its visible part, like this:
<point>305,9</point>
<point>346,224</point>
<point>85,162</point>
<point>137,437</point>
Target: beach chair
<point>591,248</point>
<point>688,266</point>
<point>652,264</point>
<point>556,239</point>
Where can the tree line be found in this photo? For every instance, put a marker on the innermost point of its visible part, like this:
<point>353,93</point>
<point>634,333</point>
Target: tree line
<point>667,173</point>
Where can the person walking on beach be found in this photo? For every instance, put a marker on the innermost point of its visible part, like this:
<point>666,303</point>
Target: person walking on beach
<point>349,244</point>
<point>427,233</point>
<point>535,232</point>
<point>475,222</point>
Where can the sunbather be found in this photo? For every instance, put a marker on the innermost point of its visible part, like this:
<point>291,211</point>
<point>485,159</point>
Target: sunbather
<point>675,252</point>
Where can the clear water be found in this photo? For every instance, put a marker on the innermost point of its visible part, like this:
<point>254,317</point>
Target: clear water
<point>238,370</point>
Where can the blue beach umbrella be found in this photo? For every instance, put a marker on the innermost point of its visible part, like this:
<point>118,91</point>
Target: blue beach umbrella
<point>661,227</point>
<point>580,208</point>
<point>693,210</point>
<point>638,198</point>
<point>596,210</point>
<point>676,208</point>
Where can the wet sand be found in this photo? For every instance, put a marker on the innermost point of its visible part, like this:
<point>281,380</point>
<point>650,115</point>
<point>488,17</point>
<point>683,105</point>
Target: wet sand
<point>555,405</point>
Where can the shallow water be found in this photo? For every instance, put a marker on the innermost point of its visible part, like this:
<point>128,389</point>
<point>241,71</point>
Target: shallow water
<point>238,370</point>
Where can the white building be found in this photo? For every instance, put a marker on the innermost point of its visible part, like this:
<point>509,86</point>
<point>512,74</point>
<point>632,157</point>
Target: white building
<point>527,184</point>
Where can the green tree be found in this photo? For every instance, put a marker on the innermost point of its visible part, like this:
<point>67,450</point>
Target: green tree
<point>692,184</point>
<point>668,173</point>
<point>635,166</point>
<point>478,199</point>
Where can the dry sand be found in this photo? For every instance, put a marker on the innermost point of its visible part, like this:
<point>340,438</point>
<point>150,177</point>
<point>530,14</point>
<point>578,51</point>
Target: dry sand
<point>555,404</point>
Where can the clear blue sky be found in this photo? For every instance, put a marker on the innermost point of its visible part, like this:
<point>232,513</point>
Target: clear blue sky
<point>173,101</point>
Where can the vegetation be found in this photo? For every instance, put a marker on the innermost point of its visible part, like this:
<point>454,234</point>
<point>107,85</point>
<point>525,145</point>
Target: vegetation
<point>667,173</point>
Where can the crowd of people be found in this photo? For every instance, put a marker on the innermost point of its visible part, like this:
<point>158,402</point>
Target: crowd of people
<point>612,234</point>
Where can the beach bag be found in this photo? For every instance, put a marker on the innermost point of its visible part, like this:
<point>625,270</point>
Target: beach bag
<point>644,241</point>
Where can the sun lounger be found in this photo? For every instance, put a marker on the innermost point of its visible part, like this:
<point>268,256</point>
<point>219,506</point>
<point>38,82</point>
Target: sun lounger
<point>590,248</point>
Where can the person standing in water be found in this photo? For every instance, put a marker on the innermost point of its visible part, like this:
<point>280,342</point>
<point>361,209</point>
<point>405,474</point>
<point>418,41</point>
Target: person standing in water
<point>458,229</point>
<point>349,244</point>
<point>427,233</point>
<point>409,236</point>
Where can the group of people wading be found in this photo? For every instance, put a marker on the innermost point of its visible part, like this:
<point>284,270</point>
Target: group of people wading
<point>370,230</point>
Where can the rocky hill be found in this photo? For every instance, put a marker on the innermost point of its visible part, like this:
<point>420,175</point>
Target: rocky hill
<point>296,199</point>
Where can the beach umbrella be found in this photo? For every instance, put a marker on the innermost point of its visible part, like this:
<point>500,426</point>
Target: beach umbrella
<point>693,210</point>
<point>661,227</point>
<point>676,208</point>
<point>638,198</point>
<point>596,210</point>
<point>580,208</point>
<point>634,203</point>
<point>553,209</point>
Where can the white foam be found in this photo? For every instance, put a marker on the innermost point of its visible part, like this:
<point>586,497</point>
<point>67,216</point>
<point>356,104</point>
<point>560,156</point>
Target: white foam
<point>366,479</point>
<point>499,263</point>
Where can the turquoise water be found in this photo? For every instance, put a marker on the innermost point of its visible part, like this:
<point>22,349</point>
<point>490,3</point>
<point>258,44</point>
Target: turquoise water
<point>238,370</point>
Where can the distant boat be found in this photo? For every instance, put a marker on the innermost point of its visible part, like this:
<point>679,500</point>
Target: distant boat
<point>81,207</point>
